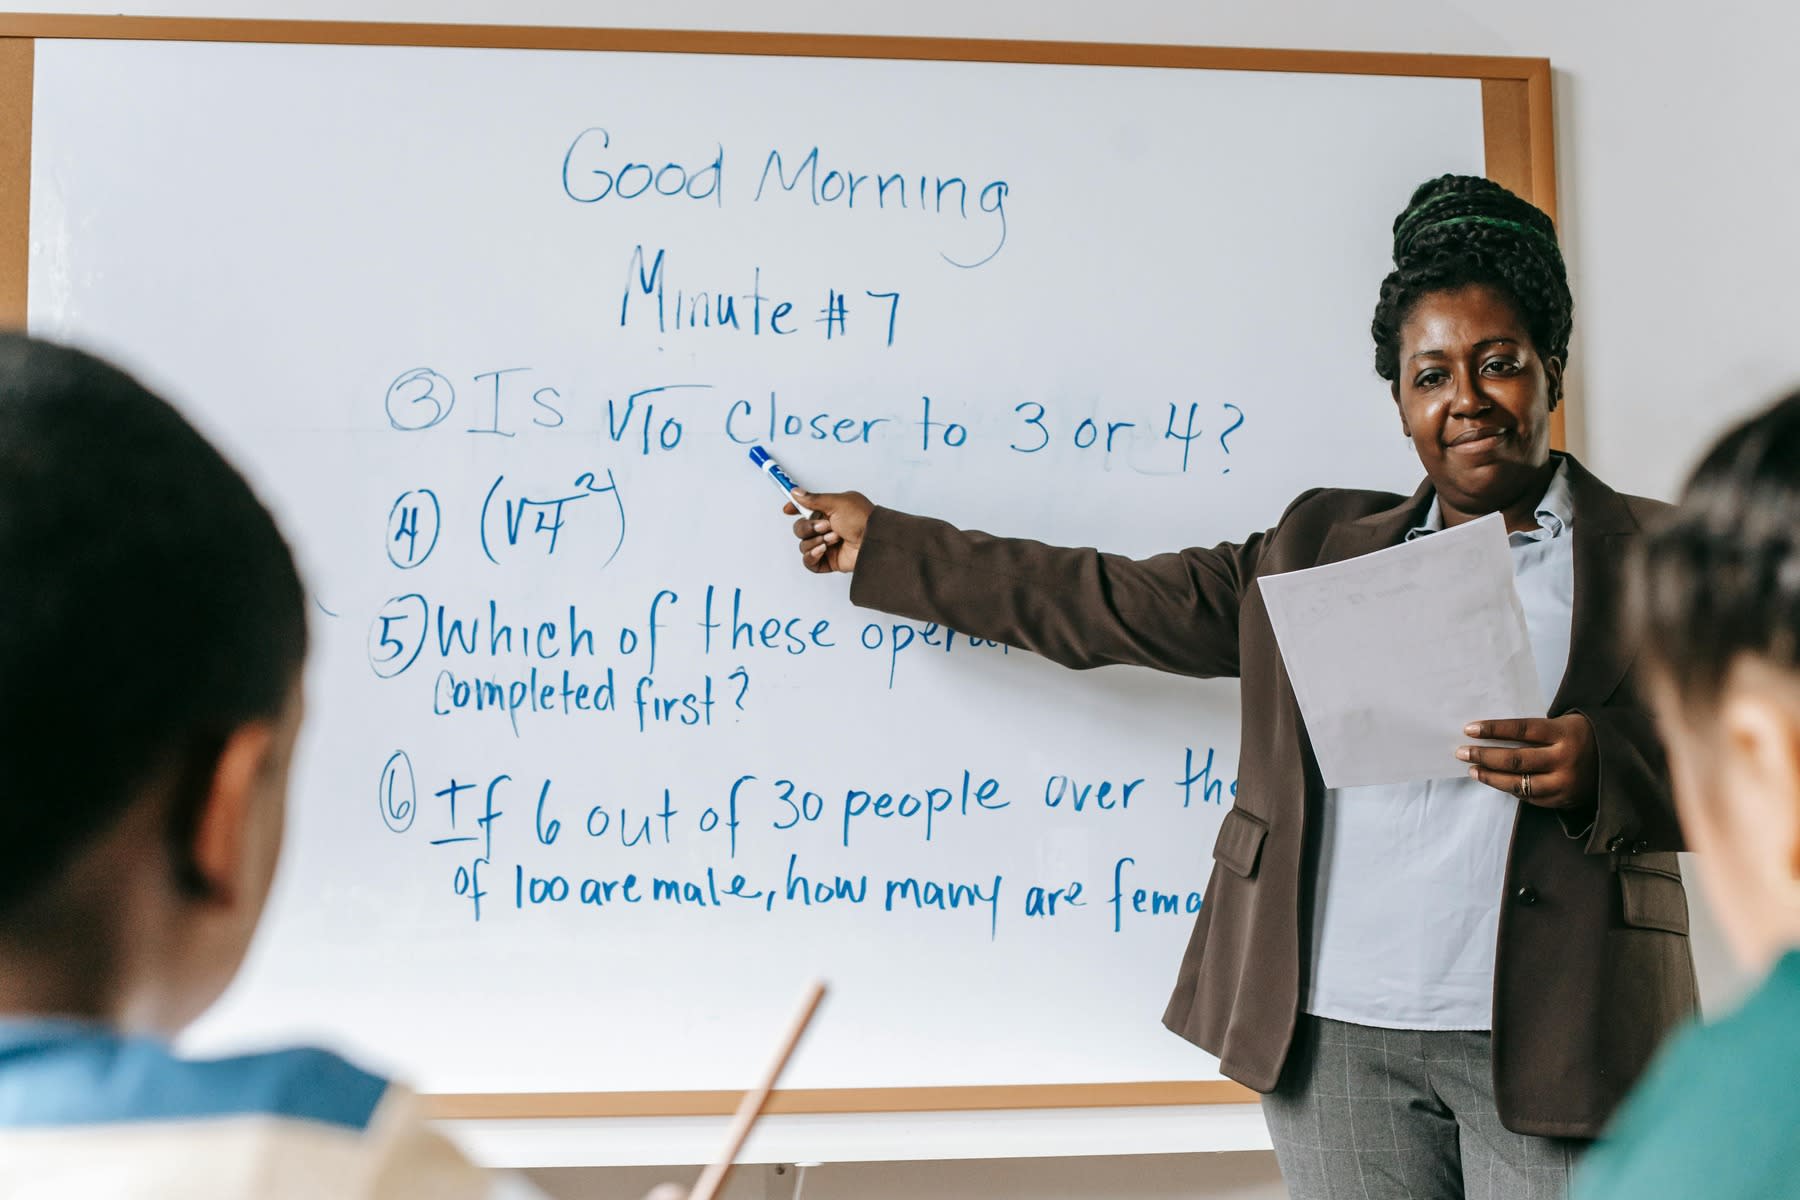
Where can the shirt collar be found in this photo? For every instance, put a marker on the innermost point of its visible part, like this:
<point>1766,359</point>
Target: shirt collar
<point>35,1032</point>
<point>1555,512</point>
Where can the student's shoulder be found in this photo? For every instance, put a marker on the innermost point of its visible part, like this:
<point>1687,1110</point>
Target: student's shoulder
<point>64,1078</point>
<point>1715,1115</point>
<point>301,1083</point>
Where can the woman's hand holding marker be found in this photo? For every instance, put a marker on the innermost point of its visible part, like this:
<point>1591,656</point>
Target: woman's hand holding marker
<point>831,537</point>
<point>831,524</point>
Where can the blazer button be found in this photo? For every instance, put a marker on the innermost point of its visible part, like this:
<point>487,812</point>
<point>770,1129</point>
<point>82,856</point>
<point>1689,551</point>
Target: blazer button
<point>1639,847</point>
<point>1618,845</point>
<point>1527,895</point>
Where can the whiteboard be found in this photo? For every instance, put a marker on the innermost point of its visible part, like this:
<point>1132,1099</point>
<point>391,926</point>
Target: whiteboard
<point>486,371</point>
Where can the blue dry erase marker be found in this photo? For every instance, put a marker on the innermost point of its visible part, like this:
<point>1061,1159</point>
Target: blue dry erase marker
<point>767,464</point>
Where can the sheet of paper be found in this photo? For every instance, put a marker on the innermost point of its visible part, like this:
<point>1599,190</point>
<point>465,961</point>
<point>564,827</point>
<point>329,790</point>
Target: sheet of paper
<point>1391,654</point>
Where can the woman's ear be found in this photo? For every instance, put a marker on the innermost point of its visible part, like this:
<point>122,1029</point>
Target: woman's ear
<point>1553,368</point>
<point>221,833</point>
<point>1394,391</point>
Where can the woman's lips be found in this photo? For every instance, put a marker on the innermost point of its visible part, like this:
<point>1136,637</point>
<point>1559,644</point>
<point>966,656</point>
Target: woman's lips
<point>1478,441</point>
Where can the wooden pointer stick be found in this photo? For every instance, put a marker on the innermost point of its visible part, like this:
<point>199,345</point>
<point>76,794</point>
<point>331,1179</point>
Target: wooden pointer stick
<point>712,1180</point>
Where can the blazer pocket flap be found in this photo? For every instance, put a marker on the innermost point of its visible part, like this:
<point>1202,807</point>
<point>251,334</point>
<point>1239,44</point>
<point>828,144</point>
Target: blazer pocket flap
<point>1240,842</point>
<point>1653,900</point>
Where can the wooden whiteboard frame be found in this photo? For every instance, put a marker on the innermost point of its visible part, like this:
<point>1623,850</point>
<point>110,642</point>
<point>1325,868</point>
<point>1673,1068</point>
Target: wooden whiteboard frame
<point>1520,153</point>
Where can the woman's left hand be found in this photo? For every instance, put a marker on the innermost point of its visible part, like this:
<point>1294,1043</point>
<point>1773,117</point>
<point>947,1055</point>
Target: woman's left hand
<point>1555,765</point>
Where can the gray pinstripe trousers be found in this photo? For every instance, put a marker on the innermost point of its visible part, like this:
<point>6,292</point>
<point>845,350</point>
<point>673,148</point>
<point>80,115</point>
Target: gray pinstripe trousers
<point>1396,1114</point>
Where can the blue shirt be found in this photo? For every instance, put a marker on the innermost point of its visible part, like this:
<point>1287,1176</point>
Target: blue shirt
<point>1406,911</point>
<point>68,1072</point>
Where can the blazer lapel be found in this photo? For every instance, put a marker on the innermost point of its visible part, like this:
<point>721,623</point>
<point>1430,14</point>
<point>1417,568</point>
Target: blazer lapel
<point>1377,531</point>
<point>1599,654</point>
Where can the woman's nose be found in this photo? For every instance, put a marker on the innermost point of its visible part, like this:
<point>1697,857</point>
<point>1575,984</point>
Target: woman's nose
<point>1468,400</point>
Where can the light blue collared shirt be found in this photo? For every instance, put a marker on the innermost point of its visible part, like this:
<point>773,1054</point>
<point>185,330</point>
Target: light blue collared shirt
<point>1406,913</point>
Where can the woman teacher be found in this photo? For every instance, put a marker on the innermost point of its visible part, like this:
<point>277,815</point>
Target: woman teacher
<point>1442,988</point>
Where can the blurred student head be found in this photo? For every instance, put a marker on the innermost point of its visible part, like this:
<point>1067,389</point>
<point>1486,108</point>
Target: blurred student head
<point>152,630</point>
<point>1719,604</point>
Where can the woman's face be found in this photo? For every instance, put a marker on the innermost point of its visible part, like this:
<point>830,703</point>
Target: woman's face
<point>1475,398</point>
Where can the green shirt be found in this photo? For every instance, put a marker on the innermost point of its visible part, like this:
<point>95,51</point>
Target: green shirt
<point>1718,1115</point>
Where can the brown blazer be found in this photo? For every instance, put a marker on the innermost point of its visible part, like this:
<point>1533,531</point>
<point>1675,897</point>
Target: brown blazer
<point>1592,965</point>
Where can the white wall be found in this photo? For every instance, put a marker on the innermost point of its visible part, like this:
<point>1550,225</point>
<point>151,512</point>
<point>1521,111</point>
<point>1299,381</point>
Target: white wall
<point>1679,185</point>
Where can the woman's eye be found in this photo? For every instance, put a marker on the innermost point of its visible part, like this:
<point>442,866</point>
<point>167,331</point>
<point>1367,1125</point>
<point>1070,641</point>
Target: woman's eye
<point>1427,379</point>
<point>1500,366</point>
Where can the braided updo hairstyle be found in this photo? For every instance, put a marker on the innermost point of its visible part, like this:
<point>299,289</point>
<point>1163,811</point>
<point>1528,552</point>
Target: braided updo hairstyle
<point>1460,230</point>
<point>1722,578</point>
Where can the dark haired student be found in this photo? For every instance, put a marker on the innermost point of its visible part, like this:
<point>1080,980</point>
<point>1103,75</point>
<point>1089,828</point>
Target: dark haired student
<point>152,632</point>
<point>1442,988</point>
<point>1719,602</point>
